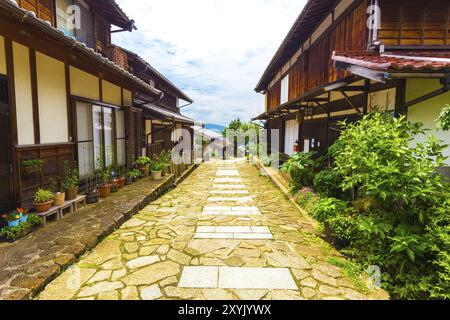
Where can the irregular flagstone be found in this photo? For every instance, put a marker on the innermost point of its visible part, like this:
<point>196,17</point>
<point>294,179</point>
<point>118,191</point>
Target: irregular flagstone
<point>99,288</point>
<point>130,293</point>
<point>142,262</point>
<point>278,259</point>
<point>105,251</point>
<point>151,274</point>
<point>151,293</point>
<point>200,247</point>
<point>67,285</point>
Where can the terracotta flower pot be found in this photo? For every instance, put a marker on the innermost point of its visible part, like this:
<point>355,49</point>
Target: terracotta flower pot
<point>105,191</point>
<point>156,175</point>
<point>114,186</point>
<point>43,207</point>
<point>122,182</point>
<point>60,199</point>
<point>71,193</point>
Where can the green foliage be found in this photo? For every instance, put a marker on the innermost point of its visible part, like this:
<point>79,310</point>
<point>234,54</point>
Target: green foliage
<point>134,174</point>
<point>400,219</point>
<point>375,158</point>
<point>327,183</point>
<point>165,157</point>
<point>328,208</point>
<point>14,233</point>
<point>302,167</point>
<point>307,198</point>
<point>143,161</point>
<point>157,166</point>
<point>70,175</point>
<point>443,122</point>
<point>32,163</point>
<point>43,196</point>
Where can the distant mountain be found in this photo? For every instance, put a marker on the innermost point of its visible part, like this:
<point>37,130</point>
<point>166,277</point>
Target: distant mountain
<point>214,127</point>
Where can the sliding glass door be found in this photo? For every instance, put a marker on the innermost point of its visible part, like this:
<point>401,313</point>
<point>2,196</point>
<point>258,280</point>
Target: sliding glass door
<point>100,137</point>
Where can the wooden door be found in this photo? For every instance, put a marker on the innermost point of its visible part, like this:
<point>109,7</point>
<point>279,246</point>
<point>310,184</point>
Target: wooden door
<point>6,182</point>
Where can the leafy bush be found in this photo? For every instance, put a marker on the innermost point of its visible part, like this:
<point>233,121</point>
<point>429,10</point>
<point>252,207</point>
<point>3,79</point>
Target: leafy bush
<point>14,233</point>
<point>307,198</point>
<point>443,122</point>
<point>327,183</point>
<point>302,167</point>
<point>32,163</point>
<point>400,219</point>
<point>142,161</point>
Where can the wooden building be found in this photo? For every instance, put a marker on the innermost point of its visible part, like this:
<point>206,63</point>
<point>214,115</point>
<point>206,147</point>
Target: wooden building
<point>161,118</point>
<point>333,66</point>
<point>65,94</point>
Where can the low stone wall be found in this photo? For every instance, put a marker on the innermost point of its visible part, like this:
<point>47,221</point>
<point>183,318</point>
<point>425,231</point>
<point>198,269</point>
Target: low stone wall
<point>29,264</point>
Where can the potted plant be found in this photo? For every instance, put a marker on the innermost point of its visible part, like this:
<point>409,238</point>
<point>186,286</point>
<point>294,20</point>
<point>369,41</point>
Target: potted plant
<point>157,168</point>
<point>71,181</point>
<point>13,219</point>
<point>43,200</point>
<point>31,166</point>
<point>23,213</point>
<point>122,178</point>
<point>57,188</point>
<point>105,187</point>
<point>92,195</point>
<point>164,158</point>
<point>142,164</point>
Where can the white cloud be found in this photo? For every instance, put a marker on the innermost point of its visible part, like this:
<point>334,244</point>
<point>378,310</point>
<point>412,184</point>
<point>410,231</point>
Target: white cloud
<point>214,50</point>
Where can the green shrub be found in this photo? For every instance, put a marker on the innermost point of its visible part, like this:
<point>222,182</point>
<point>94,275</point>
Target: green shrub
<point>400,219</point>
<point>327,183</point>
<point>443,122</point>
<point>302,167</point>
<point>14,233</point>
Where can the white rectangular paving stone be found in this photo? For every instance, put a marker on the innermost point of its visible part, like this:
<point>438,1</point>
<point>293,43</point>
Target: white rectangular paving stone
<point>229,192</point>
<point>245,209</point>
<point>233,229</point>
<point>260,229</point>
<point>256,278</point>
<point>227,180</point>
<point>228,186</point>
<point>205,229</point>
<point>253,236</point>
<point>227,173</point>
<point>199,277</point>
<point>231,213</point>
<point>213,235</point>
<point>230,199</point>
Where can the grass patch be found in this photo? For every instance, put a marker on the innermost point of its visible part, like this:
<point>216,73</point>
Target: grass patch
<point>352,270</point>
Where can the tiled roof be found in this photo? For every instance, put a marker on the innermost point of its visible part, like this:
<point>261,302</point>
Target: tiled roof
<point>45,25</point>
<point>168,114</point>
<point>417,61</point>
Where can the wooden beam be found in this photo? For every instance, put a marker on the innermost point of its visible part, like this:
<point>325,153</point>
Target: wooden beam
<point>34,95</point>
<point>350,102</point>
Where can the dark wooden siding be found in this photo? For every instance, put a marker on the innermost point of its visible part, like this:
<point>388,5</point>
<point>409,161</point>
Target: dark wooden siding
<point>53,156</point>
<point>314,68</point>
<point>415,22</point>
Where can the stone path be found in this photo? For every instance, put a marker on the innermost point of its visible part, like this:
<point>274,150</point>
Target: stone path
<point>224,233</point>
<point>30,263</point>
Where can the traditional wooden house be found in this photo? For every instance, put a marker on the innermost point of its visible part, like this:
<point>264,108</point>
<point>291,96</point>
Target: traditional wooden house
<point>336,64</point>
<point>160,118</point>
<point>65,93</point>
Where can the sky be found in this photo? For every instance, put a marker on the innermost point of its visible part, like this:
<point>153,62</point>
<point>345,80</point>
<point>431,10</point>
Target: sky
<point>214,50</point>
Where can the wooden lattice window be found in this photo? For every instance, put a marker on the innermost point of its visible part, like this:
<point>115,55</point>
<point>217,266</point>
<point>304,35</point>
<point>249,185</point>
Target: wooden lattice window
<point>44,9</point>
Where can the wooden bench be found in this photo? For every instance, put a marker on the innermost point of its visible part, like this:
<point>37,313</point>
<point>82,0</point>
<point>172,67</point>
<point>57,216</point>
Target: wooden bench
<point>51,212</point>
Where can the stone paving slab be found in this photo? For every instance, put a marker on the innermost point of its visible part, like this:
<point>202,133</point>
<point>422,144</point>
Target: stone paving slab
<point>167,227</point>
<point>30,263</point>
